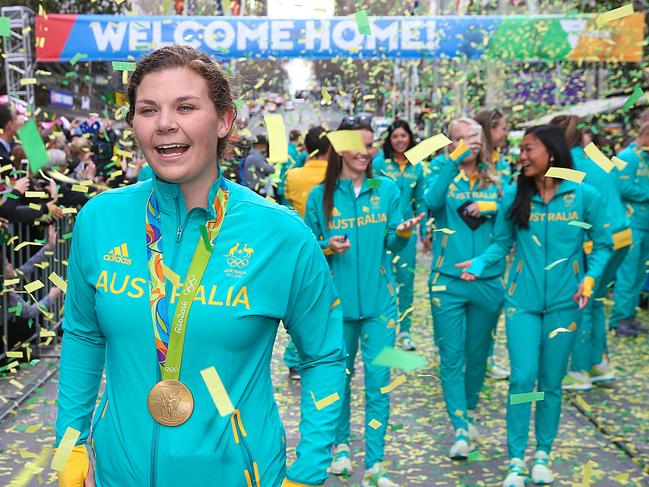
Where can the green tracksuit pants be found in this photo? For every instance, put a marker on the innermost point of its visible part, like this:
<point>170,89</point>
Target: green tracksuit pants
<point>464,317</point>
<point>631,276</point>
<point>590,340</point>
<point>373,335</point>
<point>536,361</point>
<point>405,275</point>
<point>291,356</point>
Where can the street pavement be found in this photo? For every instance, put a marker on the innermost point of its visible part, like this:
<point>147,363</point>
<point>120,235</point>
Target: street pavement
<point>607,426</point>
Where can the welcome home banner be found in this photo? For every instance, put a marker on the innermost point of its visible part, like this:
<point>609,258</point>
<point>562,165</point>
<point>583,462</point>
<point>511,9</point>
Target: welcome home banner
<point>543,38</point>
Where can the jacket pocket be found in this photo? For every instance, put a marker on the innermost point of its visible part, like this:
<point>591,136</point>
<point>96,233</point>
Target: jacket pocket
<point>514,279</point>
<point>251,471</point>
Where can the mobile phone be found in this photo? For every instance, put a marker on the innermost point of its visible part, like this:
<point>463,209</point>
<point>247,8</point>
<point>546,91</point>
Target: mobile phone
<point>345,238</point>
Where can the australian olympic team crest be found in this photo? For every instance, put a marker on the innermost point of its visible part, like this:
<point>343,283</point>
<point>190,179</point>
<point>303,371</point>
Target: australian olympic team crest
<point>238,258</point>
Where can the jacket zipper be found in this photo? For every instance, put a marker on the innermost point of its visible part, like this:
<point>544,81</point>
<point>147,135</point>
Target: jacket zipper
<point>252,472</point>
<point>156,426</point>
<point>358,271</point>
<point>545,251</point>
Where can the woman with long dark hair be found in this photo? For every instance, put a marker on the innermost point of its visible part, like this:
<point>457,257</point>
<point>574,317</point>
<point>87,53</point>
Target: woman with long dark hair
<point>357,219</point>
<point>409,177</point>
<point>548,219</point>
<point>589,363</point>
<point>494,125</point>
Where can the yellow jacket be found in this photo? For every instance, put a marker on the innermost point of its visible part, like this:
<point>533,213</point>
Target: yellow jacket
<point>301,180</point>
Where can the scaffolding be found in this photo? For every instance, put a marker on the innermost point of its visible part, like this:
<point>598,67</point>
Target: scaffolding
<point>20,62</point>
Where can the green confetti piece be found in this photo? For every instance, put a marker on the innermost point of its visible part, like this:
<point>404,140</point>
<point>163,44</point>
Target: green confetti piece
<point>399,359</point>
<point>476,456</point>
<point>526,397</point>
<point>33,146</point>
<point>363,22</point>
<point>373,183</point>
<point>584,225</point>
<point>123,66</point>
<point>555,263</point>
<point>12,196</point>
<point>77,57</point>
<point>635,96</point>
<point>67,236</point>
<point>70,74</point>
<point>5,28</point>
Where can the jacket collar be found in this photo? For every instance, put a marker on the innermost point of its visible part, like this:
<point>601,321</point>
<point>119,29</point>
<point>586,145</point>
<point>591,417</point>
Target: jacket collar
<point>348,188</point>
<point>169,194</point>
<point>563,188</point>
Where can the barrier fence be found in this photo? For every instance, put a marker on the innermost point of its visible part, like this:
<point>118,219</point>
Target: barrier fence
<point>22,242</point>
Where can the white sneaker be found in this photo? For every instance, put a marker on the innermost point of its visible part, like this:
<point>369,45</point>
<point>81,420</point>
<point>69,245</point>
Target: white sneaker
<point>517,473</point>
<point>377,476</point>
<point>495,371</point>
<point>462,446</point>
<point>541,473</point>
<point>602,372</point>
<point>576,381</point>
<point>474,432</point>
<point>342,462</point>
<point>405,342</point>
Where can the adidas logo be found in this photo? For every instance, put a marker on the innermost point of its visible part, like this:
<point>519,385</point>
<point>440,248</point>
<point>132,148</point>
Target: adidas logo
<point>118,254</point>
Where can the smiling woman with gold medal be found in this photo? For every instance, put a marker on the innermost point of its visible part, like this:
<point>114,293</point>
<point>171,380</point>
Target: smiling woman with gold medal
<point>192,403</point>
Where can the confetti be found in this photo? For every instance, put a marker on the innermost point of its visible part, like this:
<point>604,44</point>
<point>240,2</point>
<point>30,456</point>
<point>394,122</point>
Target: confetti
<point>327,401</point>
<point>33,145</point>
<point>556,331</point>
<point>425,148</point>
<point>277,141</point>
<point>615,14</point>
<point>363,22</point>
<point>399,359</point>
<point>375,424</point>
<point>635,96</point>
<point>598,157</point>
<point>555,263</point>
<point>5,27</point>
<point>565,173</point>
<point>77,57</point>
<point>217,391</point>
<point>526,397</point>
<point>619,163</point>
<point>325,95</point>
<point>347,140</point>
<point>584,225</point>
<point>587,473</point>
<point>58,281</point>
<point>373,183</point>
<point>28,81</point>
<point>34,286</point>
<point>393,385</point>
<point>123,66</point>
<point>65,449</point>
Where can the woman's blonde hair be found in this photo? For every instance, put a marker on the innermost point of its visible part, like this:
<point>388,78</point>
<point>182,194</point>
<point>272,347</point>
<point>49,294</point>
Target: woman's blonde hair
<point>486,171</point>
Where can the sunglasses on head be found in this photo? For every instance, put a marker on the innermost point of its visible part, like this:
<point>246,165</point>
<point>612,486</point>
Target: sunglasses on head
<point>353,120</point>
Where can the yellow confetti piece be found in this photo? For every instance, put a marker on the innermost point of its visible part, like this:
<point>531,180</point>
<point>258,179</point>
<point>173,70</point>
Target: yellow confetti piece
<point>10,282</point>
<point>34,286</point>
<point>34,206</point>
<point>583,404</point>
<point>327,401</point>
<point>614,14</point>
<point>124,153</point>
<point>65,448</point>
<point>622,478</point>
<point>555,263</point>
<point>325,95</point>
<point>277,142</point>
<point>14,354</point>
<point>393,385</point>
<point>259,83</point>
<point>447,231</point>
<point>425,148</point>
<point>438,288</point>
<point>125,77</point>
<point>80,188</point>
<point>47,333</point>
<point>374,424</point>
<point>69,211</point>
<point>536,240</point>
<point>406,312</point>
<point>36,194</point>
<point>598,157</point>
<point>22,245</point>
<point>567,174</point>
<point>28,81</point>
<point>58,281</point>
<point>587,473</point>
<point>556,331</point>
<point>217,391</point>
<point>17,384</point>
<point>619,163</point>
<point>32,468</point>
<point>33,428</point>
<point>347,140</point>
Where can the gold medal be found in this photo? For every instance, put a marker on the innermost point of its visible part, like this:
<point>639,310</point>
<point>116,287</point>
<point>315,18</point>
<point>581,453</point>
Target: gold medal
<point>170,402</point>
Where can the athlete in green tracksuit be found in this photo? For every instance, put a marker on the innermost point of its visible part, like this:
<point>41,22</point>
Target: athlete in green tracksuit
<point>410,181</point>
<point>546,281</point>
<point>465,314</point>
<point>357,220</point>
<point>265,267</point>
<point>633,183</point>
<point>589,362</point>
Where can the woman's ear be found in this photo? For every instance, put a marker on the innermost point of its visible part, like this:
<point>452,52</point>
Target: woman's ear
<point>225,123</point>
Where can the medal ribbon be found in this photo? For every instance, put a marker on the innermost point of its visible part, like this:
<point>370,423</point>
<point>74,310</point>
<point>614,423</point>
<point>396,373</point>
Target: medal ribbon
<point>170,337</point>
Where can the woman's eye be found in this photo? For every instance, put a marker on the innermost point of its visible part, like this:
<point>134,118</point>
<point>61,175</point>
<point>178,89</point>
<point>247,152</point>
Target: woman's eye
<point>185,108</point>
<point>146,111</point>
